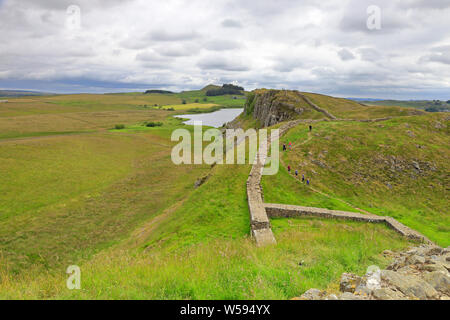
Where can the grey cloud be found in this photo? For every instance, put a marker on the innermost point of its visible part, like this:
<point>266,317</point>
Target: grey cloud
<point>287,64</point>
<point>424,4</point>
<point>369,54</point>
<point>150,56</point>
<point>441,54</point>
<point>221,63</point>
<point>164,35</point>
<point>440,58</point>
<point>64,4</point>
<point>346,55</point>
<point>177,50</point>
<point>231,23</point>
<point>222,45</point>
<point>290,44</point>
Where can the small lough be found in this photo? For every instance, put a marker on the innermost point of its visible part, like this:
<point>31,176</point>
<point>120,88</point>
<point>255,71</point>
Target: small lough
<point>214,119</point>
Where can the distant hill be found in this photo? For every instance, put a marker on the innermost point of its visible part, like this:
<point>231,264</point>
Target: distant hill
<point>225,89</point>
<point>210,87</point>
<point>427,105</point>
<point>21,93</point>
<point>272,106</point>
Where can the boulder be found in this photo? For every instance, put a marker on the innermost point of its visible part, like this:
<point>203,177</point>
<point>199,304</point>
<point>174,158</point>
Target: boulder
<point>312,294</point>
<point>349,282</point>
<point>349,296</point>
<point>439,280</point>
<point>409,285</point>
<point>415,259</point>
<point>433,250</point>
<point>388,294</point>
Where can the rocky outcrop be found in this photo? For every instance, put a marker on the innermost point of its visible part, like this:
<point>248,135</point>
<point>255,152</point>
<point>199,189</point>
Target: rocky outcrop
<point>274,106</point>
<point>421,273</point>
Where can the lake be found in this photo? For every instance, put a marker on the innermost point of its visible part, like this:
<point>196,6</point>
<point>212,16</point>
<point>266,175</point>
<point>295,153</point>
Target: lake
<point>214,119</point>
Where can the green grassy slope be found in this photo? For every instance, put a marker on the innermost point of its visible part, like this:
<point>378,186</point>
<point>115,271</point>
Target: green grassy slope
<point>112,202</point>
<point>348,109</point>
<point>418,104</point>
<point>397,168</point>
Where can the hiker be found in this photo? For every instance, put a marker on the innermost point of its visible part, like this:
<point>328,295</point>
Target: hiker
<point>290,145</point>
<point>307,182</point>
<point>284,147</point>
<point>303,178</point>
<point>296,173</point>
<point>310,128</point>
<point>289,168</point>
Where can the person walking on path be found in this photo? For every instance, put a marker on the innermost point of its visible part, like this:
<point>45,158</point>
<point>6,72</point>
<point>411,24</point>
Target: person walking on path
<point>310,128</point>
<point>289,168</point>
<point>296,173</point>
<point>290,145</point>
<point>307,182</point>
<point>303,178</point>
<point>284,146</point>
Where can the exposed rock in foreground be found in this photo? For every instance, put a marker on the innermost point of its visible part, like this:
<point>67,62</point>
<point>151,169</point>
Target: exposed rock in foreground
<point>421,273</point>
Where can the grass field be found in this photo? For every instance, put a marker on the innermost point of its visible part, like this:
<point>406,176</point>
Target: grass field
<point>189,106</point>
<point>347,109</point>
<point>418,104</point>
<point>68,114</point>
<point>77,191</point>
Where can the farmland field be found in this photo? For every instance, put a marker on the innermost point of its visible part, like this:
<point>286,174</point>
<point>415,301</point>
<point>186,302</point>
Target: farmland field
<point>78,191</point>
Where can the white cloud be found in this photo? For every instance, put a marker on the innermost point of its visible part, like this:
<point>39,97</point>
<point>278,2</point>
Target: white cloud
<point>321,46</point>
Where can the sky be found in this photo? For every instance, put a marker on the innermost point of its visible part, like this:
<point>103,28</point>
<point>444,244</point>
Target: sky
<point>396,49</point>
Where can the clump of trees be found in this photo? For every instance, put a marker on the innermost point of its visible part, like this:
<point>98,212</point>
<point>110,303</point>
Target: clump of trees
<point>153,124</point>
<point>226,89</point>
<point>437,109</point>
<point>119,126</point>
<point>158,91</point>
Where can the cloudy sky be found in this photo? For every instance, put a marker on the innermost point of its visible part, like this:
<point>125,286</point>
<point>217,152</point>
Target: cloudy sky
<point>320,46</point>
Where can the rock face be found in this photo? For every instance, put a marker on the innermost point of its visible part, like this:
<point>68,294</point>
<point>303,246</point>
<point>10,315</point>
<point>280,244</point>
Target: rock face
<point>273,106</point>
<point>421,273</point>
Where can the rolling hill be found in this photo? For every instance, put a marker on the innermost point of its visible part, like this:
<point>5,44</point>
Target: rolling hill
<point>112,202</point>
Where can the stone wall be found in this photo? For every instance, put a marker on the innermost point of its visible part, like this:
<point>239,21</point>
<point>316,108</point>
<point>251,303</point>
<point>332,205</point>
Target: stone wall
<point>259,221</point>
<point>289,211</point>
